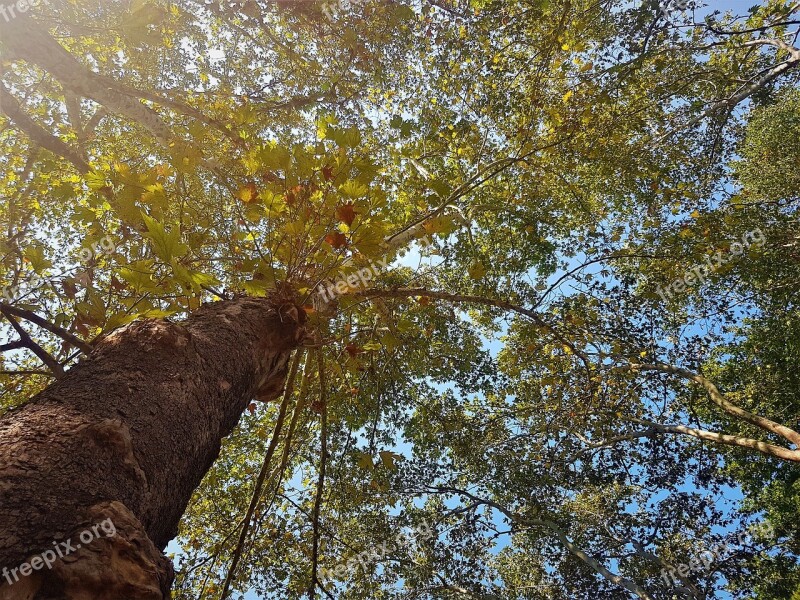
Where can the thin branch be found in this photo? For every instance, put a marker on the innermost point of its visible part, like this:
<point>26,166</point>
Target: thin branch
<point>471,299</point>
<point>49,361</point>
<point>27,372</point>
<point>237,554</point>
<point>65,335</point>
<point>516,518</point>
<point>315,582</point>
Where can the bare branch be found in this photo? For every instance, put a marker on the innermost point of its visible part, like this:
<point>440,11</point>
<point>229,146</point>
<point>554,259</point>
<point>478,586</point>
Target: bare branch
<point>49,361</point>
<point>717,398</point>
<point>710,436</point>
<point>65,335</point>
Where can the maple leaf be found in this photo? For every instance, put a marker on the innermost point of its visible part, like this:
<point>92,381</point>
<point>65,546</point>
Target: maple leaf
<point>346,214</point>
<point>336,239</point>
<point>269,177</point>
<point>327,173</point>
<point>248,193</point>
<point>69,288</point>
<point>117,285</point>
<point>353,350</point>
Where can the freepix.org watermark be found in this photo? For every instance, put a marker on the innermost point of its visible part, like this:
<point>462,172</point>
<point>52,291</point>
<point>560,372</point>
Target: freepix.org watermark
<point>10,11</point>
<point>697,274</point>
<point>706,558</point>
<point>363,276</point>
<point>106,246</point>
<point>61,549</point>
<point>377,553</point>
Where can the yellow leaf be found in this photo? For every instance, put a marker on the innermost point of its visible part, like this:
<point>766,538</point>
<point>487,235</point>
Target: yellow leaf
<point>248,193</point>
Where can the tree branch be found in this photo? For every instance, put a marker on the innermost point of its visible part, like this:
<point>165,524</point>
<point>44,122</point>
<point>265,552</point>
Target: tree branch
<point>710,436</point>
<point>315,582</point>
<point>471,299</point>
<point>717,398</point>
<point>38,135</point>
<point>515,518</point>
<point>237,553</point>
<point>65,335</point>
<point>49,361</point>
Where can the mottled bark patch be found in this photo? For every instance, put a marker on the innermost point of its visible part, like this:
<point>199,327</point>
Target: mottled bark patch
<point>138,423</point>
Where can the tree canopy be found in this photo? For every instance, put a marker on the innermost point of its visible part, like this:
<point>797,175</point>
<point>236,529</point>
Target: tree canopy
<point>548,252</point>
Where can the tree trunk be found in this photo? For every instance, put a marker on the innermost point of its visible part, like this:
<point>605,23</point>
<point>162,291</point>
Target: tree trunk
<point>114,450</point>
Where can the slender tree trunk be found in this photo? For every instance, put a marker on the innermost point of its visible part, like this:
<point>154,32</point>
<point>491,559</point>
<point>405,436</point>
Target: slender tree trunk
<point>122,441</point>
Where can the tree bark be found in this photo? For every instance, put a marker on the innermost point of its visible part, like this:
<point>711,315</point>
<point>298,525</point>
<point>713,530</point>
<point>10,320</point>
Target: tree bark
<point>122,441</point>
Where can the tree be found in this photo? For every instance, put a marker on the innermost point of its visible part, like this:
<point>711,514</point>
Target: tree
<point>213,203</point>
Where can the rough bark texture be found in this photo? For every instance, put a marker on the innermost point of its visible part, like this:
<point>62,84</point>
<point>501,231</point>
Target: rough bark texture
<point>127,435</point>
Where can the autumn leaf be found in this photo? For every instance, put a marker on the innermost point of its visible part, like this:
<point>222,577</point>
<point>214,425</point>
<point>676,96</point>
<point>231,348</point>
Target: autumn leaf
<point>69,288</point>
<point>336,239</point>
<point>248,193</point>
<point>346,214</point>
<point>353,350</point>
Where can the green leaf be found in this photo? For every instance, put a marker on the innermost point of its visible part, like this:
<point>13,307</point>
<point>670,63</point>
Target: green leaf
<point>35,255</point>
<point>166,244</point>
<point>365,461</point>
<point>353,189</point>
<point>476,270</point>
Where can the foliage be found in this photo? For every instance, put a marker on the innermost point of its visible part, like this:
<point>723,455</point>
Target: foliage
<point>567,160</point>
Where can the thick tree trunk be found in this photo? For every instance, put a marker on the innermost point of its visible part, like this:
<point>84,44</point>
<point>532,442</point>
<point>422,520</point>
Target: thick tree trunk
<point>120,443</point>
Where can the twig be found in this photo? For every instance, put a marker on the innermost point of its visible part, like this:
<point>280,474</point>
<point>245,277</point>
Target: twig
<point>27,372</point>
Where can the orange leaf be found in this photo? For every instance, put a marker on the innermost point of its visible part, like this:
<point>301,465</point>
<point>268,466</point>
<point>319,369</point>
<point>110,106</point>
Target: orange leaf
<point>336,239</point>
<point>346,213</point>
<point>248,193</point>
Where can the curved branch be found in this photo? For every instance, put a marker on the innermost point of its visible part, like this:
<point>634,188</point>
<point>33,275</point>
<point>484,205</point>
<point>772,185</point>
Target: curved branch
<point>65,335</point>
<point>50,362</point>
<point>748,90</point>
<point>717,398</point>
<point>472,299</point>
<point>10,106</point>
